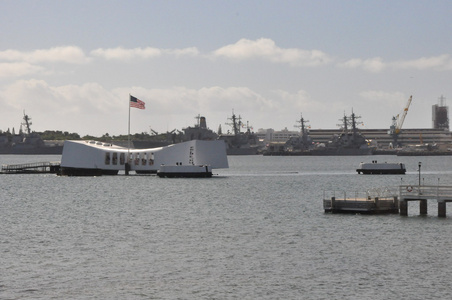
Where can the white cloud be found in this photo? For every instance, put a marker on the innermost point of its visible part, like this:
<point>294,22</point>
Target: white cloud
<point>64,99</point>
<point>18,69</point>
<point>381,95</point>
<point>394,99</point>
<point>86,108</point>
<point>299,102</point>
<point>441,62</point>
<point>179,100</point>
<point>191,51</point>
<point>92,109</point>
<point>67,54</point>
<point>92,98</point>
<point>374,65</point>
<point>120,53</point>
<point>266,49</point>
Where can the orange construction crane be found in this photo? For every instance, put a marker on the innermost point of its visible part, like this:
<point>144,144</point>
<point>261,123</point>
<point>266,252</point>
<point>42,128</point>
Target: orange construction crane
<point>397,123</point>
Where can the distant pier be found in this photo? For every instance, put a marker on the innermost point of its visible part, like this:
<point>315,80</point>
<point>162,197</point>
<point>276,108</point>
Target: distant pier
<point>390,202</point>
<point>31,168</point>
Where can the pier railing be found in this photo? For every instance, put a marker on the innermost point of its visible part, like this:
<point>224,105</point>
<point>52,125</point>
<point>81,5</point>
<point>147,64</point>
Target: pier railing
<point>382,193</point>
<point>437,192</point>
<point>39,167</point>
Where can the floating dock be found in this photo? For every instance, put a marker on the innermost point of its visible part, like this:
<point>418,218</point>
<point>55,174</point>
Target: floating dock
<point>389,202</point>
<point>31,168</point>
<point>363,204</point>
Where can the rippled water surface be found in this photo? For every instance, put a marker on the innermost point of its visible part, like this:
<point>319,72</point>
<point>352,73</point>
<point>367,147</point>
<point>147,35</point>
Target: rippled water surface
<point>255,231</point>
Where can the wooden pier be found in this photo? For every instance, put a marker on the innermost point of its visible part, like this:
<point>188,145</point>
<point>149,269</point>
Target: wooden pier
<point>389,202</point>
<point>31,168</point>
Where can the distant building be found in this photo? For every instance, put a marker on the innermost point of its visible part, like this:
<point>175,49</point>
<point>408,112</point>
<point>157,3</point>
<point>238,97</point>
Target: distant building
<point>440,114</point>
<point>270,135</point>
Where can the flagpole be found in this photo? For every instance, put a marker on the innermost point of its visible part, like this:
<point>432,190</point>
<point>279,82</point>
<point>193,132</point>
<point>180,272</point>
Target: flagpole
<point>128,143</point>
<point>128,132</point>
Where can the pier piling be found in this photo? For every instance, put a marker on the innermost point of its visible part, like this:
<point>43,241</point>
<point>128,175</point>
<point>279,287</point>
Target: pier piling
<point>442,209</point>
<point>403,207</point>
<point>423,206</point>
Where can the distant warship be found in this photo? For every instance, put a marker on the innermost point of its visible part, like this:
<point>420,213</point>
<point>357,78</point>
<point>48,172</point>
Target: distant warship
<point>239,143</point>
<point>26,142</point>
<point>349,142</point>
<point>199,131</point>
<point>296,145</point>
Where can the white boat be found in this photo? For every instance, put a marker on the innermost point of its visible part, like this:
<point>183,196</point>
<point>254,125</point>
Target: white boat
<point>381,168</point>
<point>88,158</point>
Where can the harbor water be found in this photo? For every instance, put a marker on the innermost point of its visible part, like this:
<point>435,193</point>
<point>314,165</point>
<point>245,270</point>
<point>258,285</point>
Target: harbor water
<point>255,231</point>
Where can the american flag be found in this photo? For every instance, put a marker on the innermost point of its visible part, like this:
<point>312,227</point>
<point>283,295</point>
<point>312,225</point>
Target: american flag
<point>134,102</point>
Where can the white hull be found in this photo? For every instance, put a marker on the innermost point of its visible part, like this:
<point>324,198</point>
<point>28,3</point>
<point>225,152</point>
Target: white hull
<point>95,158</point>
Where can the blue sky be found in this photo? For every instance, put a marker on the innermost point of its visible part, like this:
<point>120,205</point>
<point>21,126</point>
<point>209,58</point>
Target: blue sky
<point>72,64</point>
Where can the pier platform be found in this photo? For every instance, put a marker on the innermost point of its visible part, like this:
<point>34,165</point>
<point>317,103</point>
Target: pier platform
<point>31,168</point>
<point>389,201</point>
<point>370,203</point>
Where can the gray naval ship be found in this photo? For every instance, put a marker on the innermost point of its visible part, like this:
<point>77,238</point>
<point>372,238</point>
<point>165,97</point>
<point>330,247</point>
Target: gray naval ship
<point>27,142</point>
<point>349,141</point>
<point>238,142</point>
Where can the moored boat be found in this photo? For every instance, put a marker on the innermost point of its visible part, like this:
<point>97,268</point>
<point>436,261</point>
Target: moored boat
<point>381,168</point>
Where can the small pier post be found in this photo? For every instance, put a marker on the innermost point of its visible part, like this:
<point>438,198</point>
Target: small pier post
<point>423,206</point>
<point>403,206</point>
<point>127,168</point>
<point>441,208</point>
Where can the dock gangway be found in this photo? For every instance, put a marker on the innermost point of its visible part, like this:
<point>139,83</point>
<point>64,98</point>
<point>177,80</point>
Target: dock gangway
<point>31,168</point>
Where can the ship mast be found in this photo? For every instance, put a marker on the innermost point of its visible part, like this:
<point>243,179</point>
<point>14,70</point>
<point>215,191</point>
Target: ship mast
<point>354,123</point>
<point>344,124</point>
<point>27,123</point>
<point>302,121</point>
<point>236,123</point>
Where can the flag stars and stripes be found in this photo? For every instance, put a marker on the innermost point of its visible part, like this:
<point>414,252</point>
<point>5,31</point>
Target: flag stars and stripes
<point>137,103</point>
